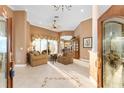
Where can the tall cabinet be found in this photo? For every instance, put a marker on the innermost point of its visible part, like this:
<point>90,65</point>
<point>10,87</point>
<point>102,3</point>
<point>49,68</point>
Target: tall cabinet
<point>76,47</point>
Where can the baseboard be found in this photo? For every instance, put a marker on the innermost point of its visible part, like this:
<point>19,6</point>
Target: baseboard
<point>93,81</point>
<point>81,62</point>
<point>85,60</point>
<point>20,65</point>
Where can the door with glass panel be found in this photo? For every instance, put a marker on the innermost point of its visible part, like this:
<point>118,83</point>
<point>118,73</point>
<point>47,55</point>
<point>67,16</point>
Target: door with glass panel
<point>113,53</point>
<point>3,53</point>
<point>6,70</point>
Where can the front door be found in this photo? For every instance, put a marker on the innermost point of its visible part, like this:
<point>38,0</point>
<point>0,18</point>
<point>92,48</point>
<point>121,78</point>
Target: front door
<point>5,53</point>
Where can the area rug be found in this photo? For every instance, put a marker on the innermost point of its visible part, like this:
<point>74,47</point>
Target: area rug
<point>60,82</point>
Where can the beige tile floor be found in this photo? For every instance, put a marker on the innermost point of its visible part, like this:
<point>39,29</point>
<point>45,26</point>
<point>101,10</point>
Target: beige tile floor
<point>56,75</point>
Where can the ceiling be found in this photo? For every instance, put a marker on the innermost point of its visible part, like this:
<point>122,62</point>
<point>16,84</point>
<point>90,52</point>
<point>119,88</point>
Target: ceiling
<point>43,15</point>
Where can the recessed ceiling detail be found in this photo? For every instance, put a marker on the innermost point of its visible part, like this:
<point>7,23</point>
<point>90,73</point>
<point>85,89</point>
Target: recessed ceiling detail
<point>42,15</point>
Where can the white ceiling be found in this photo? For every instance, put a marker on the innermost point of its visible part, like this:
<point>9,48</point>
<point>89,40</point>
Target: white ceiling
<point>43,15</point>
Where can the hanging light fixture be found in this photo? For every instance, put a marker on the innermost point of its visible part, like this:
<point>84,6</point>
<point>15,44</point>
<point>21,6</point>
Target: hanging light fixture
<point>62,7</point>
<point>54,25</point>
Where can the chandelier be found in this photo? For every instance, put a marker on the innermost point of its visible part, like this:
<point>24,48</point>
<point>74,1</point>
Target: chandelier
<point>62,7</point>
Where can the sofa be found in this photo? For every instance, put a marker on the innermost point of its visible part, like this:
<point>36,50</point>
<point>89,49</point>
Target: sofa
<point>36,58</point>
<point>66,58</point>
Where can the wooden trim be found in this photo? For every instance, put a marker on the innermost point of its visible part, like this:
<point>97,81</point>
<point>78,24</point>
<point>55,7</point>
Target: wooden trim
<point>9,54</point>
<point>115,11</point>
<point>9,47</point>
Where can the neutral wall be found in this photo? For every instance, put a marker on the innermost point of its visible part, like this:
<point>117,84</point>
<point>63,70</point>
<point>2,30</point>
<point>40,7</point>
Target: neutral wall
<point>43,32</point>
<point>66,33</point>
<point>20,28</point>
<point>84,30</point>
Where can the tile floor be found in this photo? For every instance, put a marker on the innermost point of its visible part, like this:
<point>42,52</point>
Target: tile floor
<point>56,75</point>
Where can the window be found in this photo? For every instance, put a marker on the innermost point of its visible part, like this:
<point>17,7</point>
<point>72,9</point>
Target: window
<point>53,46</point>
<point>36,44</point>
<point>40,44</point>
<point>43,44</point>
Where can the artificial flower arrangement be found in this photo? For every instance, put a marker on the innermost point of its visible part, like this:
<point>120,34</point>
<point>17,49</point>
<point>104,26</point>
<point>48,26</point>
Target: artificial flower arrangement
<point>113,59</point>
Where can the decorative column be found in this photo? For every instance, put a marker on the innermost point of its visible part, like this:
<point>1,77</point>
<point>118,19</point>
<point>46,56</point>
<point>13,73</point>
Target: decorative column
<point>93,53</point>
<point>95,15</point>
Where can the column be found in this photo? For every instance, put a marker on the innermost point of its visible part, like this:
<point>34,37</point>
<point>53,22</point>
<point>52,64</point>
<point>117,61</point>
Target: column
<point>93,53</point>
<point>95,14</point>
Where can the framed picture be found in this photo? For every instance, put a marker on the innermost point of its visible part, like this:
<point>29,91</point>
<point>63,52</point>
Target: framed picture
<point>87,42</point>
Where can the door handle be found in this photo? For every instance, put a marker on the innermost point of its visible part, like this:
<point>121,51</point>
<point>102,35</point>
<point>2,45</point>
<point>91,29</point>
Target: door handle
<point>12,72</point>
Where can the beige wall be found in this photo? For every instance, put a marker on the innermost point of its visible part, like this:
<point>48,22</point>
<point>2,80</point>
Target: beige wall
<point>84,30</point>
<point>20,28</point>
<point>66,33</point>
<point>43,32</point>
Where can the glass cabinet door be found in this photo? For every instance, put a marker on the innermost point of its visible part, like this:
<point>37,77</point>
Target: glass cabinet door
<point>3,53</point>
<point>113,54</point>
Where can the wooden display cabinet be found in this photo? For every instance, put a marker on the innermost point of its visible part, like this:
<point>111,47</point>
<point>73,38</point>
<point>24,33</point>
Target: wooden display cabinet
<point>76,47</point>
